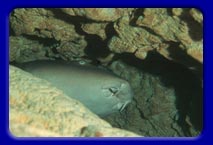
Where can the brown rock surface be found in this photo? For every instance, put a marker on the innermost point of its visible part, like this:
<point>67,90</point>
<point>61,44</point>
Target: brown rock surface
<point>185,27</point>
<point>97,14</point>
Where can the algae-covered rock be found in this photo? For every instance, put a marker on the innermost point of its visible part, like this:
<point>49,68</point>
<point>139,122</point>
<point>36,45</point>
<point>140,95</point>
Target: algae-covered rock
<point>181,28</point>
<point>97,14</point>
<point>23,49</point>
<point>134,40</point>
<point>41,23</point>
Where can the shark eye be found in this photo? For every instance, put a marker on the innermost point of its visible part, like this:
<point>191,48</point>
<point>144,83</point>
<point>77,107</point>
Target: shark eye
<point>113,90</point>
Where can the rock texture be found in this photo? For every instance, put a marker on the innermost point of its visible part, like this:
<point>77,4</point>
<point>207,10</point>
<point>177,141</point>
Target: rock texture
<point>41,23</point>
<point>180,27</point>
<point>134,40</point>
<point>96,14</point>
<point>156,109</point>
<point>38,109</point>
<point>138,30</point>
<point>158,50</point>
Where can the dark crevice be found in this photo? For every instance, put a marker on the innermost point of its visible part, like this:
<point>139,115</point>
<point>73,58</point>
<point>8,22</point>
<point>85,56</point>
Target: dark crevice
<point>169,12</point>
<point>137,13</point>
<point>11,31</point>
<point>195,28</point>
<point>188,87</point>
<point>110,31</point>
<point>44,41</point>
<point>96,47</point>
<point>181,56</point>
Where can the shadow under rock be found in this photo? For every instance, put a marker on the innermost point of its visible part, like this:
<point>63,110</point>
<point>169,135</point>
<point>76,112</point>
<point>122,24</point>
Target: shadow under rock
<point>188,87</point>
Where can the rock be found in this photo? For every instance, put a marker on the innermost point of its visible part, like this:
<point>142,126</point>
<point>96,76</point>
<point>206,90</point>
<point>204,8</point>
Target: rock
<point>161,103</point>
<point>146,111</point>
<point>133,40</point>
<point>23,49</point>
<point>196,14</point>
<point>41,23</point>
<point>95,28</point>
<point>175,29</point>
<point>96,14</point>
